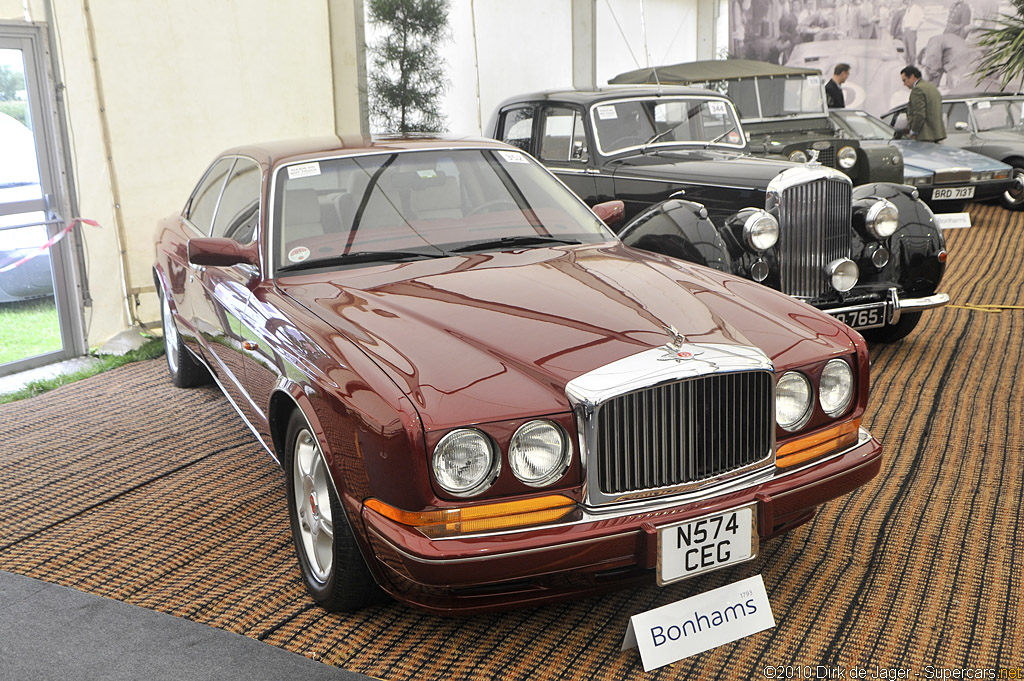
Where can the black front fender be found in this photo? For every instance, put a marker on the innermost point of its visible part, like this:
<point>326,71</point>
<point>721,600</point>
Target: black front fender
<point>680,229</point>
<point>917,248</point>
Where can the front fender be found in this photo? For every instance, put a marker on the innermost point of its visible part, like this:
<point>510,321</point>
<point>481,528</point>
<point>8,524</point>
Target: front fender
<point>917,248</point>
<point>680,229</point>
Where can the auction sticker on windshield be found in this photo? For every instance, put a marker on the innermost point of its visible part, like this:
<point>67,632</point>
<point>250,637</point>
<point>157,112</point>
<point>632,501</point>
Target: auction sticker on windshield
<point>708,543</point>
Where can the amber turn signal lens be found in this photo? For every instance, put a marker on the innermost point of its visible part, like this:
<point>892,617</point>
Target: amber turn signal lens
<point>811,447</point>
<point>482,518</point>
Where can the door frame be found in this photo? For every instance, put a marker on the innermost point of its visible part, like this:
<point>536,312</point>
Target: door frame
<point>54,177</point>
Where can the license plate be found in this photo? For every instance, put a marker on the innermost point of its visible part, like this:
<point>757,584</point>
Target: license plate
<point>862,318</point>
<point>704,544</point>
<point>953,193</point>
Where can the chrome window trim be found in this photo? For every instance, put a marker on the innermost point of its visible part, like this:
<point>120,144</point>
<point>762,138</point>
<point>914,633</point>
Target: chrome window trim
<point>650,369</point>
<point>592,109</point>
<point>235,157</point>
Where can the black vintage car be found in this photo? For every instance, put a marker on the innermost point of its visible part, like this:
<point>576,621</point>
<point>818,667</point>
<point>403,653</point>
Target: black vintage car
<point>678,158</point>
<point>783,111</point>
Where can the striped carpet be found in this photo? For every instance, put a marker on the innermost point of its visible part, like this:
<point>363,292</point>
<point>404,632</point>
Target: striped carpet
<point>124,486</point>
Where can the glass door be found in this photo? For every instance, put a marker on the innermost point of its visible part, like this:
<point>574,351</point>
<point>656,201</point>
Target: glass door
<point>35,312</point>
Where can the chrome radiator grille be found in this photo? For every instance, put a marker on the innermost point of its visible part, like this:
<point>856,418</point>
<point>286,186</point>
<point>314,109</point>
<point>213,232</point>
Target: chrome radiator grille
<point>684,432</point>
<point>814,230</point>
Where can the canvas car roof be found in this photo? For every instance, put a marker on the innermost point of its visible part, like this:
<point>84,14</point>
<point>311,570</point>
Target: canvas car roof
<point>709,70</point>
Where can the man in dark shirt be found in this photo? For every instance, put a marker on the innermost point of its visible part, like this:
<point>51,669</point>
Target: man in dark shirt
<point>833,88</point>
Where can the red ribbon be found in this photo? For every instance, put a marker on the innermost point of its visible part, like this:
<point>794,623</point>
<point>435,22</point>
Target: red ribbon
<point>13,262</point>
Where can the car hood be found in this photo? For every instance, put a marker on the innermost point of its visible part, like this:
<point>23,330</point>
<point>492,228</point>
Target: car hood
<point>708,167</point>
<point>497,336</point>
<point>928,156</point>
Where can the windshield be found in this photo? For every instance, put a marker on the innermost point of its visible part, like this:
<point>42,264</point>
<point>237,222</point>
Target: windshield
<point>421,204</point>
<point>998,115</point>
<point>781,96</point>
<point>662,121</point>
<point>866,126</point>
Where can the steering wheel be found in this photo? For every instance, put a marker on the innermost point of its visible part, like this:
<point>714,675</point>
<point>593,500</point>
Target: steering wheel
<point>489,206</point>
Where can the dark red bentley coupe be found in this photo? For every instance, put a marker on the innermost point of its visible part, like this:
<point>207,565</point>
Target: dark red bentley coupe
<point>479,396</point>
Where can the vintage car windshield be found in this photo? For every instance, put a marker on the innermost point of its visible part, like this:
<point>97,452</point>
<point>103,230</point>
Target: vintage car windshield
<point>781,96</point>
<point>663,121</point>
<point>865,126</point>
<point>998,115</point>
<point>390,207</point>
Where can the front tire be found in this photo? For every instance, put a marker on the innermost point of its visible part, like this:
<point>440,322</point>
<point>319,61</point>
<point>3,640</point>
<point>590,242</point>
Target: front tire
<point>186,371</point>
<point>332,567</point>
<point>894,332</point>
<point>1014,198</point>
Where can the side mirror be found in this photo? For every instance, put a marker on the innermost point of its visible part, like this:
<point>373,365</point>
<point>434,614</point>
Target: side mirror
<point>612,213</point>
<point>960,125</point>
<point>221,252</point>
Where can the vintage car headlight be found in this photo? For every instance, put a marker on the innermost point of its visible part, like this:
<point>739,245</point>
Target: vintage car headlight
<point>538,454</point>
<point>792,400</point>
<point>847,157</point>
<point>761,230</point>
<point>835,392</point>
<point>843,273</point>
<point>465,462</point>
<point>798,156</point>
<point>882,219</point>
<point>983,176</point>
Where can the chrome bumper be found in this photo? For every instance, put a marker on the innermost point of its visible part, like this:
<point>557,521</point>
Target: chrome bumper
<point>896,306</point>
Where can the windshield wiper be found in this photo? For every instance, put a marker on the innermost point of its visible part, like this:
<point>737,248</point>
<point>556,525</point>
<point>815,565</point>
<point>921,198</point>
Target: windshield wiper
<point>719,138</point>
<point>512,241</point>
<point>359,257</point>
<point>658,136</point>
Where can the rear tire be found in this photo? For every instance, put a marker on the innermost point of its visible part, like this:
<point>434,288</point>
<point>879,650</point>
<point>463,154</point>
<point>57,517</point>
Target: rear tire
<point>894,332</point>
<point>186,371</point>
<point>1014,199</point>
<point>329,558</point>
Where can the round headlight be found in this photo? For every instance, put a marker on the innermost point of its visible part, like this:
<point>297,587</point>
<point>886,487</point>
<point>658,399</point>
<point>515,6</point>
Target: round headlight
<point>835,392</point>
<point>798,156</point>
<point>465,462</point>
<point>847,157</point>
<point>761,230</point>
<point>882,219</point>
<point>539,454</point>
<point>843,273</point>
<point>792,401</point>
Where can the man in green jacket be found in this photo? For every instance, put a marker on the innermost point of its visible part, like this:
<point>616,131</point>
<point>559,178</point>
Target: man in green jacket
<point>924,111</point>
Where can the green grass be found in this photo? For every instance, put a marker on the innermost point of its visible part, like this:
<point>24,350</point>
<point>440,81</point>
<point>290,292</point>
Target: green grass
<point>28,328</point>
<point>153,348</point>
<point>16,109</point>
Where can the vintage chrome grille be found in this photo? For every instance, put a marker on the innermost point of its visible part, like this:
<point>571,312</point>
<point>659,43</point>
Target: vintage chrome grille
<point>814,230</point>
<point>684,432</point>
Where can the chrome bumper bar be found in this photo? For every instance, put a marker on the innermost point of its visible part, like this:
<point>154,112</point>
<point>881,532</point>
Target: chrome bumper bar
<point>895,306</point>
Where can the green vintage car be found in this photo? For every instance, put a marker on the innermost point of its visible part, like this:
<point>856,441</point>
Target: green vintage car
<point>783,112</point>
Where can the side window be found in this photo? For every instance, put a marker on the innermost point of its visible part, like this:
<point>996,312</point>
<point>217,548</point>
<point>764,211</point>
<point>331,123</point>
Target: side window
<point>517,127</point>
<point>203,204</point>
<point>562,136</point>
<point>899,121</point>
<point>956,113</point>
<point>240,204</point>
